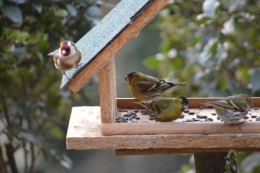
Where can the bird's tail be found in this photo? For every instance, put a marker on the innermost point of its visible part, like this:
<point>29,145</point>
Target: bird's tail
<point>163,85</point>
<point>178,83</point>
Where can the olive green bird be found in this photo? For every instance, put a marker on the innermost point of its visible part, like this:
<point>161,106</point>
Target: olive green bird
<point>166,109</point>
<point>232,109</point>
<point>145,87</point>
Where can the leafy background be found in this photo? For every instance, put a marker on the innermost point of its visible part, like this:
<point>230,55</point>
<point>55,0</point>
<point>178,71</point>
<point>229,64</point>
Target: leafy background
<point>214,45</point>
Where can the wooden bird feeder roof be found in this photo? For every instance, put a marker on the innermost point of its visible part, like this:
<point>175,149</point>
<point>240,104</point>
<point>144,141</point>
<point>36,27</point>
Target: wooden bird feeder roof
<point>96,127</point>
<point>103,41</point>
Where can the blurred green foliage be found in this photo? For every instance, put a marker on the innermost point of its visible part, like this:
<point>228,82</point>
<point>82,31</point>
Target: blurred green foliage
<point>231,162</point>
<point>214,46</point>
<point>33,111</point>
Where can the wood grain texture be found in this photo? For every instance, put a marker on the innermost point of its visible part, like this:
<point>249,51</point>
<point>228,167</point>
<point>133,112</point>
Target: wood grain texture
<point>107,92</point>
<point>177,128</point>
<point>111,49</point>
<point>84,133</point>
<point>127,152</point>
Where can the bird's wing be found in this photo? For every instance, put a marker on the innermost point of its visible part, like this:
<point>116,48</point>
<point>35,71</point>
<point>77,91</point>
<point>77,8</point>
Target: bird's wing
<point>226,104</point>
<point>163,104</point>
<point>55,56</point>
<point>146,86</point>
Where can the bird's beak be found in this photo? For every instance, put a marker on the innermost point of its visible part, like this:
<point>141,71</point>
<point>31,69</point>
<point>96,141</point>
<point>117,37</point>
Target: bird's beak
<point>51,54</point>
<point>63,52</point>
<point>186,107</point>
<point>125,79</point>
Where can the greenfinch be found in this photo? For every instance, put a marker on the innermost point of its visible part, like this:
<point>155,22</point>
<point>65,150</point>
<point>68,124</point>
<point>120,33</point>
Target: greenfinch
<point>232,109</point>
<point>66,57</point>
<point>144,87</point>
<point>166,109</point>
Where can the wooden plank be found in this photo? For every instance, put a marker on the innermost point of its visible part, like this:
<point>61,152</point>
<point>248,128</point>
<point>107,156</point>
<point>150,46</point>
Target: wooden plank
<point>84,133</point>
<point>177,128</point>
<point>193,102</point>
<point>107,92</point>
<point>115,45</point>
<point>127,152</point>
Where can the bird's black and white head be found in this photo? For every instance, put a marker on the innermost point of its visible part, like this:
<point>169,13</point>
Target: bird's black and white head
<point>128,77</point>
<point>67,48</point>
<point>185,102</point>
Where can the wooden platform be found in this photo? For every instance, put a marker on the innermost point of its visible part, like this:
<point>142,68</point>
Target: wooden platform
<point>85,128</point>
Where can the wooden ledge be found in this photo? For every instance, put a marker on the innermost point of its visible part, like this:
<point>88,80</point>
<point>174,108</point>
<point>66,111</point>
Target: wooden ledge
<point>178,128</point>
<point>84,132</point>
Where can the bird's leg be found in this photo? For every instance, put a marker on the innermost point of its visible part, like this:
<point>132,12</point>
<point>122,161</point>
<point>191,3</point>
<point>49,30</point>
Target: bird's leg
<point>145,112</point>
<point>242,121</point>
<point>78,65</point>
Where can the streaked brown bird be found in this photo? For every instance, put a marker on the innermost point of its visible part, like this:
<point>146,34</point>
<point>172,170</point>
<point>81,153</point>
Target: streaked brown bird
<point>66,57</point>
<point>145,87</point>
<point>232,109</point>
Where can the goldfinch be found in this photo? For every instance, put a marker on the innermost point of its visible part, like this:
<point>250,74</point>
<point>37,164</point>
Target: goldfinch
<point>232,109</point>
<point>166,109</point>
<point>145,87</point>
<point>66,57</point>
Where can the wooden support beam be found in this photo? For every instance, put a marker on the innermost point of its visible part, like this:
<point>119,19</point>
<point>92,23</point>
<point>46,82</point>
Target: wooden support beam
<point>115,45</point>
<point>210,162</point>
<point>107,92</point>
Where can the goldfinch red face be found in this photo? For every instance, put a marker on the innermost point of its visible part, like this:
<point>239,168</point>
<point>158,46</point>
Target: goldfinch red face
<point>67,48</point>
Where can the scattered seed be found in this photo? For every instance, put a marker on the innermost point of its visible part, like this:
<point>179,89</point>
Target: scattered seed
<point>246,117</point>
<point>126,115</point>
<point>204,133</point>
<point>182,116</point>
<point>133,115</point>
<point>253,116</point>
<point>151,118</point>
<point>195,119</point>
<point>136,111</point>
<point>186,111</point>
<point>213,113</point>
<point>138,118</point>
<point>209,119</point>
<point>191,113</point>
<point>256,108</point>
<point>189,120</point>
<point>202,116</point>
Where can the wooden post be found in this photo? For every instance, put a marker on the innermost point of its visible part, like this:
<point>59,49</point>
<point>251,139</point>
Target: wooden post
<point>107,92</point>
<point>210,162</point>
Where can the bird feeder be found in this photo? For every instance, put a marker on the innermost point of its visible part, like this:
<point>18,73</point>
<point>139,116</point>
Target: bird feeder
<point>96,127</point>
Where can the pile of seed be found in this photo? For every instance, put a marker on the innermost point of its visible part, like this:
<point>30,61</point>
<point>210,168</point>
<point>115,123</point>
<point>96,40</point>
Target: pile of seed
<point>204,118</point>
<point>197,115</point>
<point>128,117</point>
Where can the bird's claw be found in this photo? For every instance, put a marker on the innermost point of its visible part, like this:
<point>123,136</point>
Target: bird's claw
<point>78,65</point>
